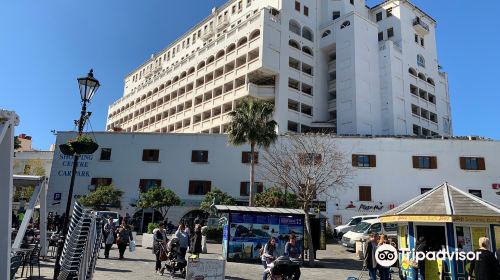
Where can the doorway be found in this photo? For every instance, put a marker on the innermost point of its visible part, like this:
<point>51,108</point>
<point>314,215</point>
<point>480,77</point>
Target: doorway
<point>435,237</point>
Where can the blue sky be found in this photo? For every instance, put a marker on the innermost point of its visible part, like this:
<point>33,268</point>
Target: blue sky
<point>46,45</point>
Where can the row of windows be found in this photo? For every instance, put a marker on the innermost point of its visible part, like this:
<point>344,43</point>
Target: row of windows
<point>297,8</point>
<point>365,192</point>
<point>301,66</point>
<point>421,76</point>
<point>421,131</point>
<point>201,65</point>
<point>390,33</point>
<point>421,162</point>
<point>419,39</point>
<point>388,13</point>
<point>305,31</point>
<point>421,112</point>
<point>305,49</point>
<point>303,87</point>
<point>300,107</point>
<point>422,94</point>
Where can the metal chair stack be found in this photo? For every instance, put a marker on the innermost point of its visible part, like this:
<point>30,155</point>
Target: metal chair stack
<point>81,246</point>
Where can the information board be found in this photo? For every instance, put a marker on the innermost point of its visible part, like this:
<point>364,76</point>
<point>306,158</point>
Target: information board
<point>205,269</point>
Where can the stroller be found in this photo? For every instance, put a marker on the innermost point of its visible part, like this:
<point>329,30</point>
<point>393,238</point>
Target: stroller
<point>283,268</point>
<point>175,261</point>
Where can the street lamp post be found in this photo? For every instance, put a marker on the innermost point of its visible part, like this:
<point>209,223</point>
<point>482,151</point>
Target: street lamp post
<point>88,87</point>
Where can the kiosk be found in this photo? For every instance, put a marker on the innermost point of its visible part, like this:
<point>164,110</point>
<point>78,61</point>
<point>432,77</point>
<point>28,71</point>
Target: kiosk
<point>249,228</point>
<point>448,219</point>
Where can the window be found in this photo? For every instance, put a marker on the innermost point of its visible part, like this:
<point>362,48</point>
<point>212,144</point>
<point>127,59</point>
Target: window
<point>297,6</point>
<point>294,44</point>
<point>365,193</point>
<point>472,163</point>
<point>416,38</point>
<point>294,27</point>
<point>233,9</point>
<point>477,193</point>
<point>309,158</point>
<point>424,162</point>
<point>258,187</point>
<point>352,2</point>
<point>306,11</point>
<point>335,15</point>
<point>424,190</point>
<point>99,182</point>
<point>197,187</point>
<point>150,155</point>
<point>307,33</point>
<point>307,50</point>
<point>293,83</point>
<point>380,36</point>
<point>390,32</point>
<point>199,156</point>
<point>105,154</point>
<point>326,33</point>
<point>249,2</point>
<point>412,71</point>
<point>416,129</point>
<point>293,105</point>
<point>146,184</point>
<point>345,24</point>
<point>293,126</point>
<point>420,60</point>
<point>306,109</point>
<point>294,63</point>
<point>422,42</point>
<point>364,160</point>
<point>388,12</point>
<point>378,17</point>
<point>246,157</point>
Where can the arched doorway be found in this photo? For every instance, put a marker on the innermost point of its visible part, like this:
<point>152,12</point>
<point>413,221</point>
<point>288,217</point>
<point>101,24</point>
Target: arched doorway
<point>193,216</point>
<point>142,218</point>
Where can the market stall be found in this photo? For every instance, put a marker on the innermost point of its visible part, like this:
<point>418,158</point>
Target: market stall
<point>444,218</point>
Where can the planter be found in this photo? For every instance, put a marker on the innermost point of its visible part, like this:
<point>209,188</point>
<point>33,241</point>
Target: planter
<point>147,240</point>
<point>66,149</point>
<point>84,147</point>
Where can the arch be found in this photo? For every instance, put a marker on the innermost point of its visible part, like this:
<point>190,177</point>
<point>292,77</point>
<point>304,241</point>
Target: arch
<point>141,225</point>
<point>150,93</point>
<point>220,54</point>
<point>307,50</point>
<point>210,59</point>
<point>201,65</point>
<point>345,24</point>
<point>326,33</point>
<point>294,44</point>
<point>294,27</point>
<point>191,70</point>
<point>231,48</point>
<point>143,97</point>
<point>168,83</point>
<point>307,33</point>
<point>132,103</point>
<point>420,60</point>
<point>254,34</point>
<point>421,76</point>
<point>430,81</point>
<point>138,100</point>
<point>190,217</point>
<point>183,75</point>
<point>242,41</point>
<point>155,90</point>
<point>175,79</point>
<point>412,71</point>
<point>162,86</point>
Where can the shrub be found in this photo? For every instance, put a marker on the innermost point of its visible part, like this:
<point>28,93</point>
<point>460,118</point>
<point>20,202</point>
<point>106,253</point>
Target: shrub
<point>151,227</point>
<point>214,233</point>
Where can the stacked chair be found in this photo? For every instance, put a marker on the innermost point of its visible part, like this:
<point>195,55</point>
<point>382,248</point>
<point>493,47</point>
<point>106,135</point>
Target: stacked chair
<point>82,243</point>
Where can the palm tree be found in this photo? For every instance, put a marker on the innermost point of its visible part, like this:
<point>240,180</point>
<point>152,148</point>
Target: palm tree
<point>252,123</point>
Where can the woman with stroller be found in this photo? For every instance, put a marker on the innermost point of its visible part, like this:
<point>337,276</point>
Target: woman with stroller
<point>293,252</point>
<point>159,244</point>
<point>183,239</point>
<point>269,253</point>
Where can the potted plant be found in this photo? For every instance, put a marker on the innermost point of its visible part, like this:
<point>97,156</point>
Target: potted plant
<point>147,238</point>
<point>66,149</point>
<point>82,144</point>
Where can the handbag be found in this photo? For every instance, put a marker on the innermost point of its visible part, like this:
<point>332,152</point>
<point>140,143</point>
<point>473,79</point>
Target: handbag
<point>131,246</point>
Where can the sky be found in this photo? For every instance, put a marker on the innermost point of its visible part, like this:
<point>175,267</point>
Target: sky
<point>46,45</point>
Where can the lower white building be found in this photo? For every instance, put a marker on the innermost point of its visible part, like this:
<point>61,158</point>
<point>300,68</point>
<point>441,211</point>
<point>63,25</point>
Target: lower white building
<point>386,171</point>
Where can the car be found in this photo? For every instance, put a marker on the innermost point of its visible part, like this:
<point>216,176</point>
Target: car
<point>106,214</point>
<point>354,221</point>
<point>363,229</point>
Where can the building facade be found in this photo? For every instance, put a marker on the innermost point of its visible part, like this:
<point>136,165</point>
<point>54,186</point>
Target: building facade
<point>386,171</point>
<point>326,65</point>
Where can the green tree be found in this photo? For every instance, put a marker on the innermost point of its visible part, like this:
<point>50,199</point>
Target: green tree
<point>160,199</point>
<point>17,143</point>
<point>23,193</point>
<point>102,198</point>
<point>34,167</point>
<point>275,197</point>
<point>252,123</point>
<point>220,198</point>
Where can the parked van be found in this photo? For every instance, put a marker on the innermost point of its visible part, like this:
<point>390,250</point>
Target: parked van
<point>354,221</point>
<point>363,229</point>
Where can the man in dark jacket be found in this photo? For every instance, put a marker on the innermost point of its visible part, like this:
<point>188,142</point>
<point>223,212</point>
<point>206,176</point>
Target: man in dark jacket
<point>369,260</point>
<point>487,266</point>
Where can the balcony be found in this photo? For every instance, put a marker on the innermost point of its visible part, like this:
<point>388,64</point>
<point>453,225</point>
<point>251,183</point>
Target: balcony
<point>332,105</point>
<point>420,26</point>
<point>222,23</point>
<point>332,86</point>
<point>262,92</point>
<point>332,66</point>
<point>207,34</point>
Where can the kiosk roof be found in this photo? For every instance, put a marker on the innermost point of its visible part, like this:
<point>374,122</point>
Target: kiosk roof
<point>228,208</point>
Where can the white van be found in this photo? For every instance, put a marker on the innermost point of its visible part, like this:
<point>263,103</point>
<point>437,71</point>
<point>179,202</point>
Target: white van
<point>354,221</point>
<point>363,229</point>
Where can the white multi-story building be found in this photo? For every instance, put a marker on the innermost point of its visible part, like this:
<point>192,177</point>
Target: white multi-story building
<point>333,65</point>
<point>387,171</point>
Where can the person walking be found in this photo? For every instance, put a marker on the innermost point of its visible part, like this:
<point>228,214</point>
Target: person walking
<point>383,271</point>
<point>269,254</point>
<point>109,233</point>
<point>183,237</point>
<point>123,238</point>
<point>159,243</point>
<point>486,267</point>
<point>196,241</point>
<point>421,247</point>
<point>369,261</point>
<point>293,252</point>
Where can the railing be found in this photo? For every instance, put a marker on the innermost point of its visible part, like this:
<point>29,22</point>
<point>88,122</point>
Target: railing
<point>222,23</point>
<point>418,21</point>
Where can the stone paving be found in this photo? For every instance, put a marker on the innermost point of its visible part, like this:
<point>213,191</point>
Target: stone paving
<point>334,263</point>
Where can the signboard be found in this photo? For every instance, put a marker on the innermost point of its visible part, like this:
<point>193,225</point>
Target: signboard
<point>57,196</point>
<point>495,186</point>
<point>205,269</point>
<point>248,233</point>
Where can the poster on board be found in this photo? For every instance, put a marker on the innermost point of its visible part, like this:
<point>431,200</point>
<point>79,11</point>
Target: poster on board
<point>205,269</point>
